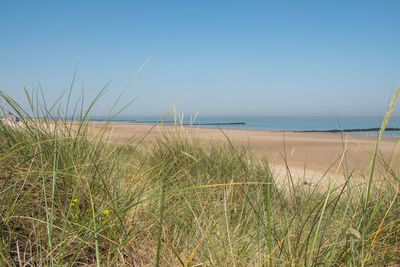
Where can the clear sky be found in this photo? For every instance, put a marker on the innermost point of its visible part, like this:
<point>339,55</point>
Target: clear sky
<point>210,57</point>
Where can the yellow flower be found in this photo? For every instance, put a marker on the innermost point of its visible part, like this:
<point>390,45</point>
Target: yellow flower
<point>106,212</point>
<point>73,202</point>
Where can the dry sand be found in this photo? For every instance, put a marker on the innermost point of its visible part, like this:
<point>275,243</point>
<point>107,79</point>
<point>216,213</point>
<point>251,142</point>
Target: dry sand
<point>313,152</point>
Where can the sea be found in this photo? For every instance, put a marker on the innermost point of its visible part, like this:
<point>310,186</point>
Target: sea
<point>279,123</point>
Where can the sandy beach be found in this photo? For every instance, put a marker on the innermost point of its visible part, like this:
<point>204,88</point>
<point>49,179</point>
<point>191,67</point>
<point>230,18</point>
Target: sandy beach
<point>313,152</point>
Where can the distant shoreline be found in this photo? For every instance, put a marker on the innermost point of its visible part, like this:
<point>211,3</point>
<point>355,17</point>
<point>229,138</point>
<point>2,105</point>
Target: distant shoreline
<point>349,130</point>
<point>242,123</point>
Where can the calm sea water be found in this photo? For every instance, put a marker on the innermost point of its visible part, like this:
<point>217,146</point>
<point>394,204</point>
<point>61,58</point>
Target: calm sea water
<point>289,123</point>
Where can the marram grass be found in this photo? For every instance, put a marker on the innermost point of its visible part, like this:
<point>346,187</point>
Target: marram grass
<point>70,198</point>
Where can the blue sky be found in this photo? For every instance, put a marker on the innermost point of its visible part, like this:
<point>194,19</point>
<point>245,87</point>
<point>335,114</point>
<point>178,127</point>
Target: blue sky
<point>211,57</point>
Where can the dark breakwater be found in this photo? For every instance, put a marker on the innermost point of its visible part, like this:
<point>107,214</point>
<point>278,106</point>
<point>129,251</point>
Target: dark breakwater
<point>389,129</point>
<point>195,124</point>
